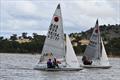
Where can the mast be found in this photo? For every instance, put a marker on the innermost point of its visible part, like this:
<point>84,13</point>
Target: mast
<point>99,41</point>
<point>63,36</point>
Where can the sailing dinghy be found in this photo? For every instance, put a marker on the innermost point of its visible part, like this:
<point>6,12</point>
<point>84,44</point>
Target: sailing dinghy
<point>54,47</point>
<point>95,51</point>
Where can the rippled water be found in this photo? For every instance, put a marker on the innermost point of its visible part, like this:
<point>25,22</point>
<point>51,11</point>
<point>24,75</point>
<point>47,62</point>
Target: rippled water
<point>20,67</point>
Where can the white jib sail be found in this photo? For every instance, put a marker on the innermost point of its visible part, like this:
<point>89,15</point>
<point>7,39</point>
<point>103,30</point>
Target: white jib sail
<point>54,43</point>
<point>104,59</point>
<point>71,58</point>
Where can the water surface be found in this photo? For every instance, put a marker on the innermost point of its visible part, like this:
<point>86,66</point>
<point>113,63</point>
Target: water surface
<point>20,67</point>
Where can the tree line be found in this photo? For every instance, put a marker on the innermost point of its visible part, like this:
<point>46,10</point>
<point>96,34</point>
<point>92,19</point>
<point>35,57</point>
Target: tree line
<point>12,46</point>
<point>37,41</point>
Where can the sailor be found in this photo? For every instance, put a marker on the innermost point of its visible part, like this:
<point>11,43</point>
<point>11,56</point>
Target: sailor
<point>86,61</point>
<point>49,63</point>
<point>55,63</point>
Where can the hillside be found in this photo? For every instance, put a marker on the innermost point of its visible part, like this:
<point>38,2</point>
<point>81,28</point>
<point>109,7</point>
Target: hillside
<point>109,33</point>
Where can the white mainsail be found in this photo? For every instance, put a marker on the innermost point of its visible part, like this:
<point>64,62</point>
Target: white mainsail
<point>71,58</point>
<point>93,51</point>
<point>54,43</point>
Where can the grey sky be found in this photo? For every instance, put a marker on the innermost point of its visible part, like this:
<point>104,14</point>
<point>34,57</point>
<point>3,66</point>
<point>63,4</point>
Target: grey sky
<point>30,16</point>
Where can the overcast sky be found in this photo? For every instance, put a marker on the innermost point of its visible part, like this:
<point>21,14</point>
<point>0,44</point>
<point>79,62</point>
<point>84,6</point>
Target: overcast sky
<point>17,16</point>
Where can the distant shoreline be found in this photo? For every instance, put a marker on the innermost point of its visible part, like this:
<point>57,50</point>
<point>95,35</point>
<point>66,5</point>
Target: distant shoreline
<point>111,56</point>
<point>19,53</point>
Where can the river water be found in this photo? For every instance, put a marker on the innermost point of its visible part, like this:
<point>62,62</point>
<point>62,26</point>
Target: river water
<point>20,67</point>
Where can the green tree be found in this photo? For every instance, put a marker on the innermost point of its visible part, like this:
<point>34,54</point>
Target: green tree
<point>24,35</point>
<point>13,37</point>
<point>1,37</point>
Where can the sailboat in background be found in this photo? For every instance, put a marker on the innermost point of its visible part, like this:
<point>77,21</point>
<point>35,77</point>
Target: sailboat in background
<point>95,51</point>
<point>54,47</point>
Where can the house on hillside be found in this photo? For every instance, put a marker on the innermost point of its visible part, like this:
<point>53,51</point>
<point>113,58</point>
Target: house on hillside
<point>23,40</point>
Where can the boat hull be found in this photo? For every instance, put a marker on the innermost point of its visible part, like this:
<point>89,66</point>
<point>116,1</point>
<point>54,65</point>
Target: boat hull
<point>58,69</point>
<point>43,67</point>
<point>95,66</point>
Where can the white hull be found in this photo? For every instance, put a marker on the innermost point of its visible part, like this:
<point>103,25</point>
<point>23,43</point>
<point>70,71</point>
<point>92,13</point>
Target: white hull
<point>58,69</point>
<point>95,66</point>
<point>43,67</point>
